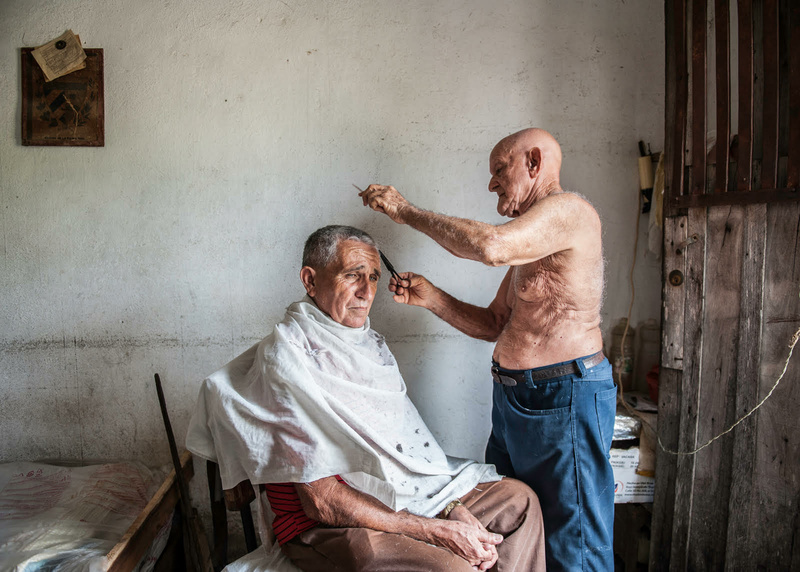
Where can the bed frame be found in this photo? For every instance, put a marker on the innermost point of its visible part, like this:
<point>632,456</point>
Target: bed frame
<point>134,544</point>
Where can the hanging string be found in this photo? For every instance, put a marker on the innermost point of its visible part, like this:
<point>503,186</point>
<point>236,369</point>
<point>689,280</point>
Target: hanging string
<point>795,337</point>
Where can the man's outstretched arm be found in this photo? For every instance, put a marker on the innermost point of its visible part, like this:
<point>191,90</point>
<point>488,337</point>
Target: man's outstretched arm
<point>474,321</point>
<point>336,504</point>
<point>553,224</point>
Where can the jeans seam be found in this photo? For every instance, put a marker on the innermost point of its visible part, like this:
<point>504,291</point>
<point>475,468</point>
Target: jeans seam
<point>576,464</point>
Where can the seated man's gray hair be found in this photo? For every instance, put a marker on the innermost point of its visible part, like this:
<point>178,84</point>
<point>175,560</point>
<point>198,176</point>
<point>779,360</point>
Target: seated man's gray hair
<point>320,248</point>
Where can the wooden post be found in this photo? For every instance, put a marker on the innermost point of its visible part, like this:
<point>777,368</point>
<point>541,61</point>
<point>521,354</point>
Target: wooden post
<point>723,59</point>
<point>793,165</point>
<point>744,165</point>
<point>698,97</point>
<point>769,163</point>
<point>677,99</point>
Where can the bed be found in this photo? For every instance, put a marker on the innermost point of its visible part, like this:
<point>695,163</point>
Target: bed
<point>109,516</point>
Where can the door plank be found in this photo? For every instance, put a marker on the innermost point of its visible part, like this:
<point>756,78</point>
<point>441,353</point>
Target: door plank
<point>776,516</point>
<point>666,465</point>
<point>689,388</point>
<point>676,232</point>
<point>739,553</point>
<point>715,395</point>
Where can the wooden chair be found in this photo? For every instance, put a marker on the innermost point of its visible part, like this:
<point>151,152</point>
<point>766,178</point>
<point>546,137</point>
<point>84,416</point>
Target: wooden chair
<point>236,499</point>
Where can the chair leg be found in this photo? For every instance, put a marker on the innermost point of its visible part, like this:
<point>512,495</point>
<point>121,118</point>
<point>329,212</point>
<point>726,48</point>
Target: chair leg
<point>219,516</point>
<point>249,529</point>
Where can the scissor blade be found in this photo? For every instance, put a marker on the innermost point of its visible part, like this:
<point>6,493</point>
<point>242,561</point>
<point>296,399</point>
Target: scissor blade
<point>389,266</point>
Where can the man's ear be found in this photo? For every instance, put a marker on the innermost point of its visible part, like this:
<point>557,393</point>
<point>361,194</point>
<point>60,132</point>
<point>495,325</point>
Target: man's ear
<point>308,277</point>
<point>533,158</point>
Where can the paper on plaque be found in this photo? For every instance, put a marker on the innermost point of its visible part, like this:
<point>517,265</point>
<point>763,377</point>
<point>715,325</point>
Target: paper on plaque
<point>60,56</point>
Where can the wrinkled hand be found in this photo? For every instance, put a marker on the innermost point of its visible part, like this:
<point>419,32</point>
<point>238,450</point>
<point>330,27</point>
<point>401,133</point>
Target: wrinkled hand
<point>469,540</point>
<point>385,199</point>
<point>413,289</point>
<point>462,514</point>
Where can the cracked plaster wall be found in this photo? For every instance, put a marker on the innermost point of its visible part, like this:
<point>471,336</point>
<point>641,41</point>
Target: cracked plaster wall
<point>234,129</point>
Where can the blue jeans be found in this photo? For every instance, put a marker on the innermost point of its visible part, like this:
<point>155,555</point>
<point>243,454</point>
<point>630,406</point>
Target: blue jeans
<point>555,435</point>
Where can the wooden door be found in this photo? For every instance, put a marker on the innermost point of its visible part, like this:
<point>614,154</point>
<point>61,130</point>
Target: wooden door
<point>731,293</point>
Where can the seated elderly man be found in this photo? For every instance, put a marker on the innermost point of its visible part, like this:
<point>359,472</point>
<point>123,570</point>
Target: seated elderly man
<point>354,476</point>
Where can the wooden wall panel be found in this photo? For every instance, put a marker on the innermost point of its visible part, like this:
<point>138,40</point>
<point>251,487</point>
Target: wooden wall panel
<point>775,518</point>
<point>768,91</point>
<point>689,388</point>
<point>716,394</point>
<point>736,504</point>
<point>676,234</point>
<point>666,466</point>
<point>739,550</point>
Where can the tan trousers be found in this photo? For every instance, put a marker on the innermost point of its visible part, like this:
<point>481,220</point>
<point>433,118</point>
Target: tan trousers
<point>507,507</point>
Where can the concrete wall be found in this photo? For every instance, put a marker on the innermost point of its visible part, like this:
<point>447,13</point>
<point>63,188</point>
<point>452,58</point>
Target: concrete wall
<point>234,129</point>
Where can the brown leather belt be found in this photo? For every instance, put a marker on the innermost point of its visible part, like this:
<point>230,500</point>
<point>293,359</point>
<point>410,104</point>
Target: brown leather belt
<point>512,378</point>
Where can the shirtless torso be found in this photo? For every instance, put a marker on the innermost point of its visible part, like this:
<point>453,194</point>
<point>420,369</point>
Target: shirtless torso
<point>553,308</point>
<point>547,309</point>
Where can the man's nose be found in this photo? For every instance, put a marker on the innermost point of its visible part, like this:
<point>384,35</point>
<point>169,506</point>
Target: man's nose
<point>492,184</point>
<point>364,290</point>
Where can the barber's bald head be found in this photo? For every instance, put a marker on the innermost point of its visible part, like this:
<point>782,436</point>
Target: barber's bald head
<point>525,167</point>
<point>534,138</point>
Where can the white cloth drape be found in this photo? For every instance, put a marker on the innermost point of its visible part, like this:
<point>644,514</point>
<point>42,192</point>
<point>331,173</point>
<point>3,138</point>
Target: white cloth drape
<point>316,399</point>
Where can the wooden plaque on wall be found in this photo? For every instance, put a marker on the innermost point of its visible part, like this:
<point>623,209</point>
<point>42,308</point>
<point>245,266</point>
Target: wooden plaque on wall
<point>67,111</point>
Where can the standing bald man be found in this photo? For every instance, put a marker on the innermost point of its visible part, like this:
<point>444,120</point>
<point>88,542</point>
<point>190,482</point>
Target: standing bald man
<point>554,398</point>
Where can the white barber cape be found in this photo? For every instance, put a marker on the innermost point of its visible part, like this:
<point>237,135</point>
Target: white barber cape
<point>315,399</point>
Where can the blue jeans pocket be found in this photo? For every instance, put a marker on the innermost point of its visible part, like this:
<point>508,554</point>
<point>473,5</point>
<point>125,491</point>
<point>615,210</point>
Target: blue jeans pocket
<point>541,417</point>
<point>605,403</point>
<point>544,399</point>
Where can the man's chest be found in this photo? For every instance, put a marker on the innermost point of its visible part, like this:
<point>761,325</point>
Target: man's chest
<point>540,281</point>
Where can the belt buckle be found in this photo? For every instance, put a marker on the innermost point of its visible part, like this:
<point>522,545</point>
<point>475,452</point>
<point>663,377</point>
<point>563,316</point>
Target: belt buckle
<point>502,379</point>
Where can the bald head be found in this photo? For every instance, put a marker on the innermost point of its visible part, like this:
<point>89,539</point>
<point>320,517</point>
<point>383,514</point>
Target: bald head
<point>527,139</point>
<point>525,167</point>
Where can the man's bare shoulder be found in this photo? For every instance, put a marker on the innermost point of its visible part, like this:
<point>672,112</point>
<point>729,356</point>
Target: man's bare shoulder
<point>570,208</point>
<point>570,200</point>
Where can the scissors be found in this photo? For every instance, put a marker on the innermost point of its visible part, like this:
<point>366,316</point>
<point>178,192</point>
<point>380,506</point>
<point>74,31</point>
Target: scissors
<point>386,262</point>
<point>390,268</point>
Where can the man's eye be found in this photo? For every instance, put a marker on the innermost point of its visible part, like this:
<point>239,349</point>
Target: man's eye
<point>374,277</point>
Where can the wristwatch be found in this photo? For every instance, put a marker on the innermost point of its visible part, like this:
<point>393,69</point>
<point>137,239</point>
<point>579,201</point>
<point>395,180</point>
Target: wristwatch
<point>449,508</point>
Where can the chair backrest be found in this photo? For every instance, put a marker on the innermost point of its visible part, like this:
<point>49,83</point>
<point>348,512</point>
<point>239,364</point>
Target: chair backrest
<point>222,500</point>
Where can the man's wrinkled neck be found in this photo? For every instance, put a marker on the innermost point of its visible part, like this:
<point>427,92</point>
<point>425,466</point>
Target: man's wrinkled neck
<point>550,187</point>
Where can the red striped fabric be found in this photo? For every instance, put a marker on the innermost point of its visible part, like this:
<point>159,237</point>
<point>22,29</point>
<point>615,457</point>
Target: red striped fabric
<point>290,519</point>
